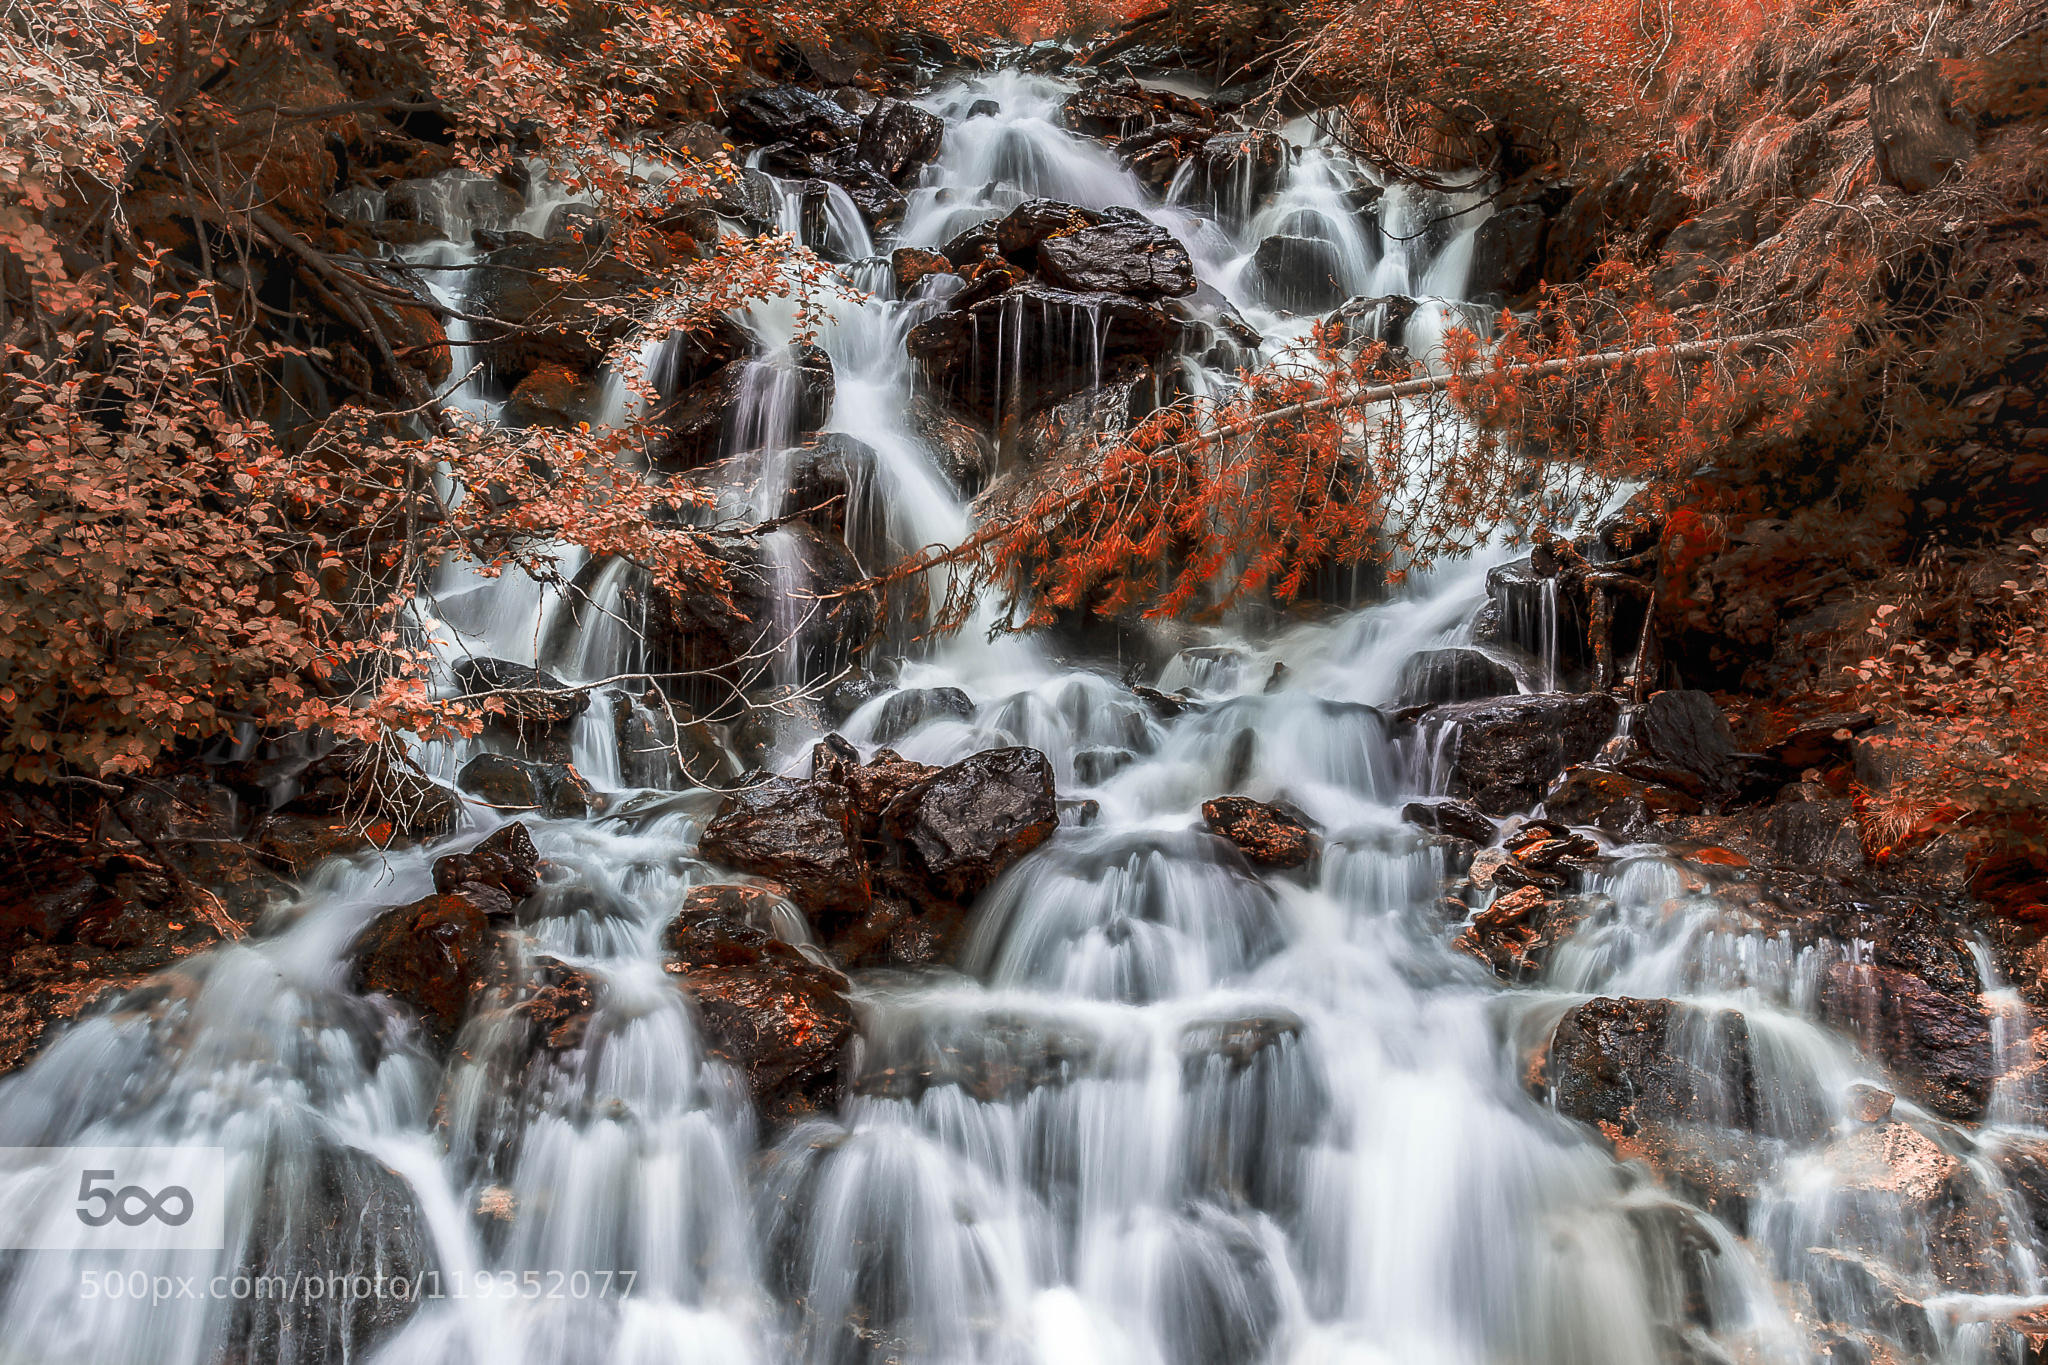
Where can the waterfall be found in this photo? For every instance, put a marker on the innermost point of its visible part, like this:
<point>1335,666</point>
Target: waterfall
<point>1166,1111</point>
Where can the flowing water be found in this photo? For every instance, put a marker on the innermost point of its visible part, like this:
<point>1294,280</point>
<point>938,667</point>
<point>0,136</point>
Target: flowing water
<point>1165,1110</point>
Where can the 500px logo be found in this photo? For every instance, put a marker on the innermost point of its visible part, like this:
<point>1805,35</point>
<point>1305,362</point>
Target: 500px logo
<point>112,1198</point>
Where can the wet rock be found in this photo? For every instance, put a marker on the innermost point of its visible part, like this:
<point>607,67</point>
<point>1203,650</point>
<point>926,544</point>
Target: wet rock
<point>1364,319</point>
<point>800,834</point>
<point>1020,233</point>
<point>696,351</point>
<point>1508,751</point>
<point>897,138</point>
<point>362,784</point>
<point>553,396</point>
<point>555,790</point>
<point>1618,1063</point>
<point>963,454</point>
<point>1298,274</point>
<point>561,322</point>
<point>727,639</point>
<point>1636,207</point>
<point>1938,1042</point>
<point>507,861</point>
<point>436,955</point>
<point>1267,835</point>
<point>1239,169</point>
<point>1156,154</point>
<point>1131,257</point>
<point>692,428</point>
<point>1120,108</point>
<point>1516,934</point>
<point>1507,251</point>
<point>1624,806</point>
<point>1914,130</point>
<point>1687,732</point>
<point>534,701</point>
<point>1821,740</point>
<point>970,353</point>
<point>911,265</point>
<point>984,109</point>
<point>1444,675</point>
<point>962,826</point>
<point>1459,819</point>
<point>779,1018</point>
<point>790,113</point>
<point>335,1215</point>
<point>908,709</point>
<point>663,746</point>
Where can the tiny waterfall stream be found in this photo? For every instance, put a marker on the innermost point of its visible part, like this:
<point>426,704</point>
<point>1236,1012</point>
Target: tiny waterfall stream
<point>1166,1112</point>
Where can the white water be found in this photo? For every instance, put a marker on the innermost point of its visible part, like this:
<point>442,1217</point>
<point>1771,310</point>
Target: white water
<point>1168,1111</point>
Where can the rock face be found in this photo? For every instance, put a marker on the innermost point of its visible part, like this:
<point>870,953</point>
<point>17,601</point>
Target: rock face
<point>1267,835</point>
<point>898,138</point>
<point>884,856</point>
<point>795,389</point>
<point>535,702</point>
<point>1508,750</point>
<point>790,113</point>
<point>436,955</point>
<point>1689,738</point>
<point>778,1017</point>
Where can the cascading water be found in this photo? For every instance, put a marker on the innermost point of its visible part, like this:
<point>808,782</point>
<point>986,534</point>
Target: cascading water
<point>1167,1111</point>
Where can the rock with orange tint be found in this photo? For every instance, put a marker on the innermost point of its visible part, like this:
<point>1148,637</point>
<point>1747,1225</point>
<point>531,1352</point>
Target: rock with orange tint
<point>771,1012</point>
<point>553,394</point>
<point>1516,934</point>
<point>506,862</point>
<point>436,955</point>
<point>1932,1031</point>
<point>1267,835</point>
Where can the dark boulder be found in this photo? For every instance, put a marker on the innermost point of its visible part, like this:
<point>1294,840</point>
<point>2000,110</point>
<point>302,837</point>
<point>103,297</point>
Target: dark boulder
<point>1267,835</point>
<point>699,423</point>
<point>1619,1064</point>
<point>963,825</point>
<point>1156,155</point>
<point>971,353</point>
<point>779,1018</point>
<point>1507,251</point>
<point>695,351</point>
<point>568,323</point>
<point>1441,675</point>
<point>1237,170</point>
<point>1368,318</point>
<point>1686,731</point>
<point>436,955</point>
<point>984,109</point>
<point>1298,274</point>
<point>959,448</point>
<point>662,746</point>
<point>534,701</point>
<point>507,861</point>
<point>727,639</point>
<point>1508,750</point>
<point>1019,233</point>
<point>800,834</point>
<point>790,113</point>
<point>1127,256</point>
<point>555,790</point>
<point>1619,804</point>
<point>1937,1041</point>
<point>1446,816</point>
<point>906,710</point>
<point>898,138</point>
<point>911,265</point>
